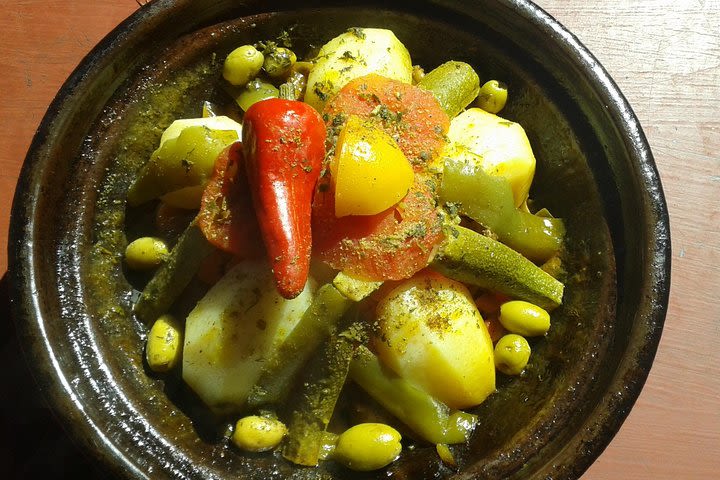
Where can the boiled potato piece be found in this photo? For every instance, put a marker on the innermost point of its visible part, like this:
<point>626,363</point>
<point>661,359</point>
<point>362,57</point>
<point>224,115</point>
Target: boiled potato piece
<point>355,53</point>
<point>499,146</point>
<point>431,333</point>
<point>233,330</point>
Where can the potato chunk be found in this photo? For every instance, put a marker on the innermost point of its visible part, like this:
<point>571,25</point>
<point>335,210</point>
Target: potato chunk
<point>233,330</point>
<point>355,53</point>
<point>499,146</point>
<point>431,333</point>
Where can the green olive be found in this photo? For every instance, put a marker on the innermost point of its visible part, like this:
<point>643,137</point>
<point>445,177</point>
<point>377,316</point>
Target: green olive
<point>258,434</point>
<point>368,446</point>
<point>279,61</point>
<point>512,353</point>
<point>524,318</point>
<point>255,91</point>
<point>145,253</point>
<point>242,65</point>
<point>164,344</point>
<point>492,96</point>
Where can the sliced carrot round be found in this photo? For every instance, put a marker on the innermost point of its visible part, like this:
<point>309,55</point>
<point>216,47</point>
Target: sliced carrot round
<point>391,245</point>
<point>409,114</point>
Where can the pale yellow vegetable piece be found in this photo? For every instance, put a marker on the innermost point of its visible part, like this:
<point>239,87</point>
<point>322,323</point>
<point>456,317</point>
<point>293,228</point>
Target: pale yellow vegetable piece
<point>355,53</point>
<point>145,253</point>
<point>431,333</point>
<point>354,288</point>
<point>499,146</point>
<point>445,454</point>
<point>368,446</point>
<point>232,332</point>
<point>220,122</point>
<point>258,434</point>
<point>184,160</point>
<point>187,198</point>
<point>370,172</point>
<point>164,344</point>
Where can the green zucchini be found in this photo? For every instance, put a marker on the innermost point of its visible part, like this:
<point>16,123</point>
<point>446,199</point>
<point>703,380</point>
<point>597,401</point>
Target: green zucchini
<point>319,391</point>
<point>174,275</point>
<point>489,201</point>
<point>473,258</point>
<point>423,414</point>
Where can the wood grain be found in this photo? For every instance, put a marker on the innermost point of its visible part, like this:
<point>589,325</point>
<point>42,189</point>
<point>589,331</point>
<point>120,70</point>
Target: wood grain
<point>664,55</point>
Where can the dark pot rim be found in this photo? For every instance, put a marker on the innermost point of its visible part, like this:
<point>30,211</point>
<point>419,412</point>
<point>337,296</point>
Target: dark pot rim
<point>626,383</point>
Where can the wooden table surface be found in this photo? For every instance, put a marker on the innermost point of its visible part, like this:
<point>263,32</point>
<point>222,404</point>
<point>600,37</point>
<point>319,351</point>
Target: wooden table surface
<point>665,56</point>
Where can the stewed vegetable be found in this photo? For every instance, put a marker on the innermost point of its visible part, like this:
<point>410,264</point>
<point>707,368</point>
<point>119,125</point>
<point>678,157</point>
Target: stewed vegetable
<point>361,234</point>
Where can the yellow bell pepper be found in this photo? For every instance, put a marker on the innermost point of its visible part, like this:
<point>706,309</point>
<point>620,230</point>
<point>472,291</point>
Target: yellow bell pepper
<point>370,172</point>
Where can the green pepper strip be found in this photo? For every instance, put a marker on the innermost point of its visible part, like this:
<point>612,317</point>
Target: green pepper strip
<point>489,201</point>
<point>454,84</point>
<point>174,275</point>
<point>429,418</point>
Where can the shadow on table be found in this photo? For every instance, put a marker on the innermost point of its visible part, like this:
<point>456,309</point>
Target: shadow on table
<point>34,445</point>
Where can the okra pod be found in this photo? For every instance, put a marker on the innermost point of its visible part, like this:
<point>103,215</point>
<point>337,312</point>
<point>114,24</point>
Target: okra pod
<point>174,275</point>
<point>317,323</point>
<point>473,258</point>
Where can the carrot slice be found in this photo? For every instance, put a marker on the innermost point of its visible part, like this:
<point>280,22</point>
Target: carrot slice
<point>409,114</point>
<point>391,245</point>
<point>398,242</point>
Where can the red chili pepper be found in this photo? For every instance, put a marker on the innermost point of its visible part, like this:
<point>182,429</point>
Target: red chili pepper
<point>284,146</point>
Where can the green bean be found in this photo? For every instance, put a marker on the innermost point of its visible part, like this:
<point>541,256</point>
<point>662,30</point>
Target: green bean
<point>258,434</point>
<point>320,388</point>
<point>164,344</point>
<point>524,318</point>
<point>279,61</point>
<point>317,323</point>
<point>427,417</point>
<point>368,446</point>
<point>489,201</point>
<point>255,91</point>
<point>454,84</point>
<point>472,258</point>
<point>174,275</point>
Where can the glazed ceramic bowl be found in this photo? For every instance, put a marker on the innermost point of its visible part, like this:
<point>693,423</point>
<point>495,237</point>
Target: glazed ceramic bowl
<point>72,302</point>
